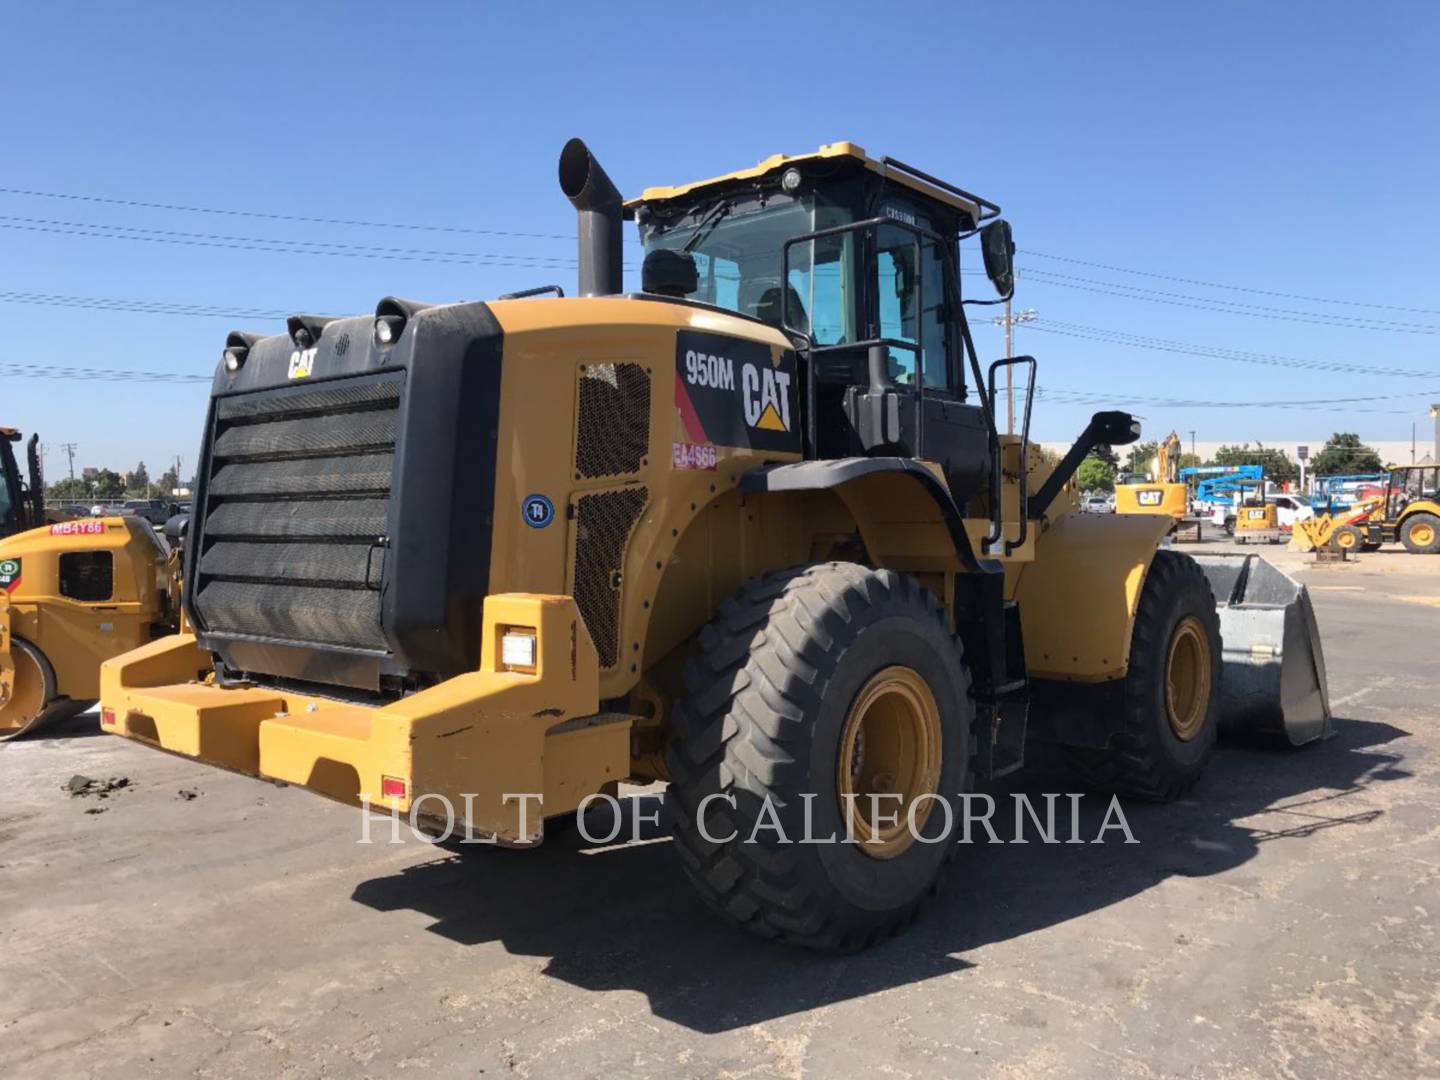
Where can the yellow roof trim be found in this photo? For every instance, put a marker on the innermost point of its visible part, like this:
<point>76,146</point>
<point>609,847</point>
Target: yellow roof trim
<point>830,150</point>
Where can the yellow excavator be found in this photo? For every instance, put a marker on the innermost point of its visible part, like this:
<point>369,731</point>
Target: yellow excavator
<point>1163,493</point>
<point>751,530</point>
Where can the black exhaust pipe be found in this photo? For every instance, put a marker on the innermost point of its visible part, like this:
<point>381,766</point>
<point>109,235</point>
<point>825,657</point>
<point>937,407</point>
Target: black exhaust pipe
<point>601,223</point>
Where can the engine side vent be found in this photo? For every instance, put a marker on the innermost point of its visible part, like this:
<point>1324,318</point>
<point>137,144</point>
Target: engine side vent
<point>612,434</point>
<point>603,523</point>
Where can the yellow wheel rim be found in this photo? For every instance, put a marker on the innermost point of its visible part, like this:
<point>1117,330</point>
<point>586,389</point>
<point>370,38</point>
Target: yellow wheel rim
<point>1187,679</point>
<point>890,756</point>
<point>1345,540</point>
<point>26,699</point>
<point>1423,534</point>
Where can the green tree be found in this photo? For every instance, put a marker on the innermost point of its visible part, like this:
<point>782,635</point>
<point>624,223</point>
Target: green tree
<point>1344,454</point>
<point>1140,457</point>
<point>169,481</point>
<point>1095,474</point>
<point>68,491</point>
<point>140,479</point>
<point>108,485</point>
<point>1190,461</point>
<point>1108,456</point>
<point>1278,467</point>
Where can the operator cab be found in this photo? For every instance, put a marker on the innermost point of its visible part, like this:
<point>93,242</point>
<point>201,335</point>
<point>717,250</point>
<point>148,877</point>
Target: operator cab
<point>21,502</point>
<point>855,259</point>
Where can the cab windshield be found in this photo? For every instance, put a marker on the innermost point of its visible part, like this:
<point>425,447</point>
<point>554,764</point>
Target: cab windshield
<point>737,244</point>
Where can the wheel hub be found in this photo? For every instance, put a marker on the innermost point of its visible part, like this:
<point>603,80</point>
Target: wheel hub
<point>1187,679</point>
<point>890,757</point>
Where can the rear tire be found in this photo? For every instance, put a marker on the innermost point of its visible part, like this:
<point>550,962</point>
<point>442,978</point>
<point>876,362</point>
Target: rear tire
<point>796,692</point>
<point>1420,533</point>
<point>1171,693</point>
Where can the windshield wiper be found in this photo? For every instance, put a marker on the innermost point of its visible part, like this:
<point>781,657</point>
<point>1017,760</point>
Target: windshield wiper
<point>707,225</point>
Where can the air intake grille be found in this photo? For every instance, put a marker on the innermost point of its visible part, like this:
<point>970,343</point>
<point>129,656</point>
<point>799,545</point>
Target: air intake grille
<point>603,522</point>
<point>298,498</point>
<point>613,424</point>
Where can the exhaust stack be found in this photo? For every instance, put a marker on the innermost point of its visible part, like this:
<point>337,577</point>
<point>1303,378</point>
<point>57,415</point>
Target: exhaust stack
<point>591,192</point>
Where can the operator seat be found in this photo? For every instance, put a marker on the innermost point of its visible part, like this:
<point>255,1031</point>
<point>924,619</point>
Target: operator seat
<point>771,310</point>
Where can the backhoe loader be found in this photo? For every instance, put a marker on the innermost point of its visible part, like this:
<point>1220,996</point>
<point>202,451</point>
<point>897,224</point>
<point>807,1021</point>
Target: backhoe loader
<point>751,530</point>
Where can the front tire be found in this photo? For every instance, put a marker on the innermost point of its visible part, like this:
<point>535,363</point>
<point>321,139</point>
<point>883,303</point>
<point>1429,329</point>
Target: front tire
<point>1171,693</point>
<point>1347,538</point>
<point>813,684</point>
<point>1420,533</point>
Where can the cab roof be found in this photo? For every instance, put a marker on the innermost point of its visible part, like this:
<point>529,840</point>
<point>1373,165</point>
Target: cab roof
<point>929,186</point>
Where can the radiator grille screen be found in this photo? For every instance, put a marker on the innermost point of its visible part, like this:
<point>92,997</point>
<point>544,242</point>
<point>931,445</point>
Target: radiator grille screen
<point>603,523</point>
<point>613,421</point>
<point>298,498</point>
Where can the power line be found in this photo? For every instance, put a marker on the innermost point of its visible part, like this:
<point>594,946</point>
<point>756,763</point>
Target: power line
<point>1216,352</point>
<point>143,307</point>
<point>283,247</point>
<point>266,216</point>
<point>1227,307</point>
<point>1222,285</point>
<point>1084,397</point>
<point>47,371</point>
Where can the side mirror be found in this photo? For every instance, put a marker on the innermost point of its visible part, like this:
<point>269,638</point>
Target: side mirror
<point>997,245</point>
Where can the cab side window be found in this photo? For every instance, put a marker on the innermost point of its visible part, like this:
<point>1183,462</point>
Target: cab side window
<point>87,575</point>
<point>935,328</point>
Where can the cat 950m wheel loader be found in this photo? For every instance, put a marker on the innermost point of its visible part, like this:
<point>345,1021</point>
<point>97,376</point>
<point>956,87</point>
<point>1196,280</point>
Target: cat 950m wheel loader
<point>751,530</point>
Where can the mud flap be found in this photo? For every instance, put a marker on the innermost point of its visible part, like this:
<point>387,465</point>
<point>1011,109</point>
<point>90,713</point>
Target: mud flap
<point>1274,668</point>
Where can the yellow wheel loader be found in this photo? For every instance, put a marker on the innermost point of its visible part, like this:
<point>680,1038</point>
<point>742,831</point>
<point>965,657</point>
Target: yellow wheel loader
<point>751,530</point>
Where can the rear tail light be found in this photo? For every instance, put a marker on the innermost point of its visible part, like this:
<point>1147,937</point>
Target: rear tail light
<point>107,717</point>
<point>392,787</point>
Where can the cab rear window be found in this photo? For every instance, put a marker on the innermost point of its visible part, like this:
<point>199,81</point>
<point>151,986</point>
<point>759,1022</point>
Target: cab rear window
<point>87,575</point>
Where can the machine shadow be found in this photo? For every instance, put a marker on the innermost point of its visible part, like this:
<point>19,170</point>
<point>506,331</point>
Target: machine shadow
<point>67,720</point>
<point>622,916</point>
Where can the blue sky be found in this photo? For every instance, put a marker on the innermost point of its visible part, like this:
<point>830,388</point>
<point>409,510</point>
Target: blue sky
<point>1283,147</point>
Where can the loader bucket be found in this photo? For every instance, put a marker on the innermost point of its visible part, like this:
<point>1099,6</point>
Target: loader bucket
<point>1274,668</point>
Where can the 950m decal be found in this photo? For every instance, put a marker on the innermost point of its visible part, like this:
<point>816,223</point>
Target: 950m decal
<point>733,392</point>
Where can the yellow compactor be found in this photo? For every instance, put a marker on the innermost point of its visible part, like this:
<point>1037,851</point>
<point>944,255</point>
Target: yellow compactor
<point>750,530</point>
<point>72,595</point>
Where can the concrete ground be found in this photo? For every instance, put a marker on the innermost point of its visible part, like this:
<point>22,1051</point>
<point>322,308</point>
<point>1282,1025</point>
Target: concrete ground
<point>1282,922</point>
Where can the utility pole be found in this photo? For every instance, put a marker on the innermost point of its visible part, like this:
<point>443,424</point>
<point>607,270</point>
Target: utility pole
<point>1008,321</point>
<point>70,449</point>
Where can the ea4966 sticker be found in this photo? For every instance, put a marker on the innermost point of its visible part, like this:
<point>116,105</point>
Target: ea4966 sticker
<point>693,456</point>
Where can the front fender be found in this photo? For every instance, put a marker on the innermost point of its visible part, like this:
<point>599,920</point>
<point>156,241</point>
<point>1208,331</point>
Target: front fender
<point>1078,598</point>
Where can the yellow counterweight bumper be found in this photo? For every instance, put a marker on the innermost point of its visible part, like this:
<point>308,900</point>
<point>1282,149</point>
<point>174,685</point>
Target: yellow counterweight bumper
<point>506,744</point>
